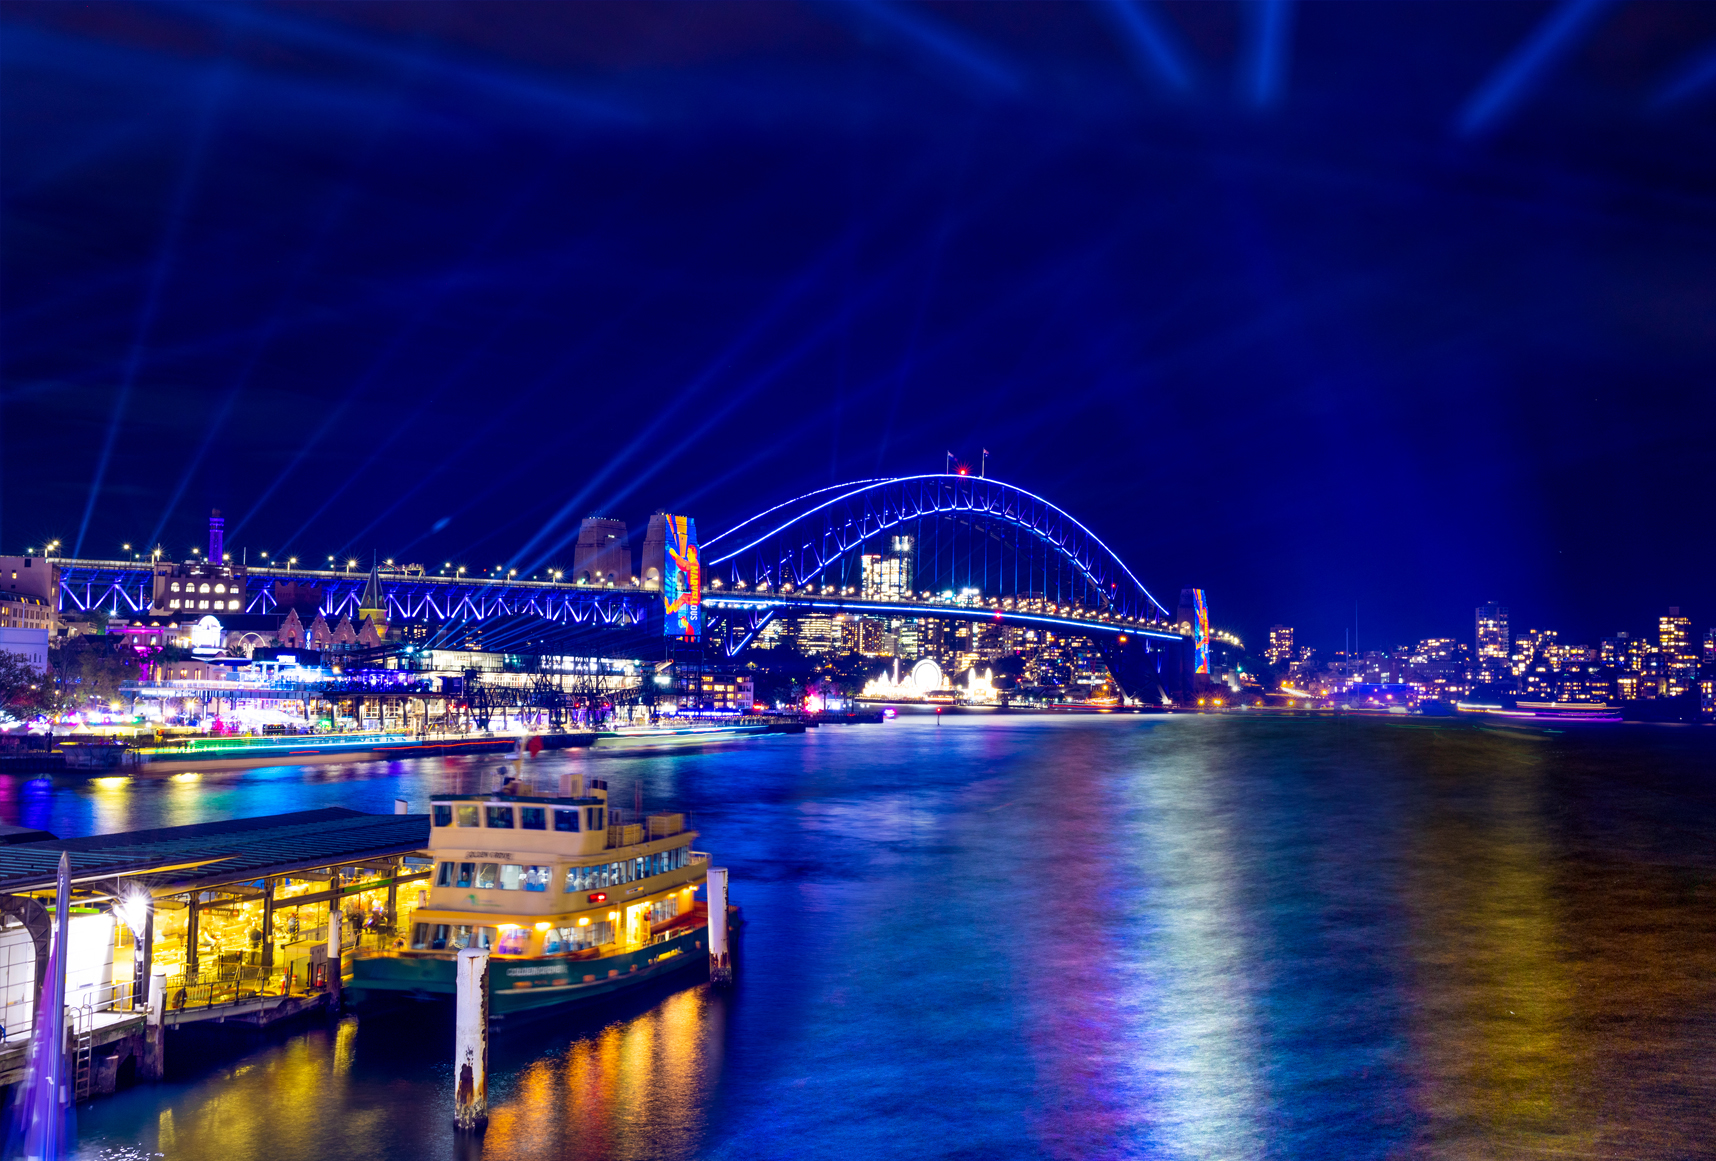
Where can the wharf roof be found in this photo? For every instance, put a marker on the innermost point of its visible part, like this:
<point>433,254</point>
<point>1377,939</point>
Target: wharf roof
<point>498,799</point>
<point>205,855</point>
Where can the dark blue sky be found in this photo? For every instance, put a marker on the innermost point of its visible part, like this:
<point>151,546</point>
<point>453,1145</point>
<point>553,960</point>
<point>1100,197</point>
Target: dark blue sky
<point>1408,306</point>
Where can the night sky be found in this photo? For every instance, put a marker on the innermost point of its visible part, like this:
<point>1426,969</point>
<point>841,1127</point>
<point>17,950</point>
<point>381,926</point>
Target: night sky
<point>1397,306</point>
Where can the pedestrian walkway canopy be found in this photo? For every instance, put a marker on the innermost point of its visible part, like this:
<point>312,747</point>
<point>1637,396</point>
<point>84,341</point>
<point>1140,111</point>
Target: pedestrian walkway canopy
<point>208,855</point>
<point>199,904</point>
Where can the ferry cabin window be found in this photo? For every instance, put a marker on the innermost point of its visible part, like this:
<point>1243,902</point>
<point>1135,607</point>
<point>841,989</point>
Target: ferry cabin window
<point>536,878</point>
<point>500,817</point>
<point>487,873</point>
<point>593,819</point>
<point>443,816</point>
<point>567,939</point>
<point>513,941</point>
<point>532,818</point>
<point>447,937</point>
<point>511,876</point>
<point>566,820</point>
<point>463,937</point>
<point>467,872</point>
<point>467,816</point>
<point>444,876</point>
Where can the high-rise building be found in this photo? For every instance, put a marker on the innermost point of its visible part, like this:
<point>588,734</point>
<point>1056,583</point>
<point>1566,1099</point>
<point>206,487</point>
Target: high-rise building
<point>1674,637</point>
<point>1280,644</point>
<point>1492,637</point>
<point>889,575</point>
<point>908,638</point>
<point>821,633</point>
<point>1710,645</point>
<point>1680,657</point>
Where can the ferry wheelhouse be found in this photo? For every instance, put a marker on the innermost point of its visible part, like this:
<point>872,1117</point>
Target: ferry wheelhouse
<point>571,905</point>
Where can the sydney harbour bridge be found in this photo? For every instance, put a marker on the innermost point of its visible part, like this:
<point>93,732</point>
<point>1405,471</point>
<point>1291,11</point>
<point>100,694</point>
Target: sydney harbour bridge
<point>950,546</point>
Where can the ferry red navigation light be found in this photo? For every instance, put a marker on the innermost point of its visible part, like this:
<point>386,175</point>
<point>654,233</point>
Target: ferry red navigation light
<point>598,897</point>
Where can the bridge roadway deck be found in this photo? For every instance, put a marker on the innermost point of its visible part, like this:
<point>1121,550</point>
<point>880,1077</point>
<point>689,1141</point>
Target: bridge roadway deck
<point>125,587</point>
<point>795,603</point>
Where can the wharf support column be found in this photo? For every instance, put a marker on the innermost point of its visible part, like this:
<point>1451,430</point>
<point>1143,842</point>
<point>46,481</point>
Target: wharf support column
<point>336,965</point>
<point>471,1041</point>
<point>154,1029</point>
<point>720,960</point>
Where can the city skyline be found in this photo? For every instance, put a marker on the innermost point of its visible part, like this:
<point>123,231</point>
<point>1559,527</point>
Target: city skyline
<point>1330,349</point>
<point>1258,639</point>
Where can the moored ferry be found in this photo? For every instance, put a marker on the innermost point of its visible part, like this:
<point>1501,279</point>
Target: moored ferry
<point>571,906</point>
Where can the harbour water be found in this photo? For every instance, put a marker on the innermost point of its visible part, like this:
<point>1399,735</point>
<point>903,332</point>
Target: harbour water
<point>1194,937</point>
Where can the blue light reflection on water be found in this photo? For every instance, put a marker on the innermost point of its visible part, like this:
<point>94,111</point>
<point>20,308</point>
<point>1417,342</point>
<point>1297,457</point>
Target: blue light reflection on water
<point>1034,937</point>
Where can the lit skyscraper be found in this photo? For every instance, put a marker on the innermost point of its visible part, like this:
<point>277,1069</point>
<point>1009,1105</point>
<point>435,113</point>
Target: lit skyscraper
<point>889,575</point>
<point>1492,637</point>
<point>1280,644</point>
<point>1679,656</point>
<point>1674,633</point>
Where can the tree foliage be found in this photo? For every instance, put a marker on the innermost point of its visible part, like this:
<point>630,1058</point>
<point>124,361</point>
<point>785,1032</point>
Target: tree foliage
<point>23,690</point>
<point>93,667</point>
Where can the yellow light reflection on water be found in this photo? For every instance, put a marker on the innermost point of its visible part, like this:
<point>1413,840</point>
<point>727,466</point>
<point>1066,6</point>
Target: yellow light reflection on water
<point>112,803</point>
<point>187,776</point>
<point>638,1087</point>
<point>1497,1044</point>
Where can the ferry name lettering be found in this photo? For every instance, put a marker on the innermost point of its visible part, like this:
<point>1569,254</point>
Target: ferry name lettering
<point>488,854</point>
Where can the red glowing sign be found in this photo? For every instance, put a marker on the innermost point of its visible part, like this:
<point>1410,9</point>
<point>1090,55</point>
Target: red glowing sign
<point>599,897</point>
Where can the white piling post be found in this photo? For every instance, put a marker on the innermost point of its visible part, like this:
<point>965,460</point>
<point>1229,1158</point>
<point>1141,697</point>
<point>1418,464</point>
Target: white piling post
<point>720,961</point>
<point>154,1030</point>
<point>400,806</point>
<point>336,979</point>
<point>471,1042</point>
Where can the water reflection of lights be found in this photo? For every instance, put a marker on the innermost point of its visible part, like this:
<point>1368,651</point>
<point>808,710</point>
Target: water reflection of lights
<point>638,1087</point>
<point>187,776</point>
<point>1194,1026</point>
<point>1496,1035</point>
<point>113,782</point>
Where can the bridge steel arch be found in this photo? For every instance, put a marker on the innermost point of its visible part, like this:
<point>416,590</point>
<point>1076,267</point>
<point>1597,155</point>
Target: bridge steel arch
<point>968,533</point>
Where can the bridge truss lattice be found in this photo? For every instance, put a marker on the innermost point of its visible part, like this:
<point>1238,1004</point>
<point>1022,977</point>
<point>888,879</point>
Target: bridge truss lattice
<point>967,535</point>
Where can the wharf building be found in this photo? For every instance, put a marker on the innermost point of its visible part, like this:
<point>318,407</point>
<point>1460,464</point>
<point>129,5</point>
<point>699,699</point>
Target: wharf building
<point>230,920</point>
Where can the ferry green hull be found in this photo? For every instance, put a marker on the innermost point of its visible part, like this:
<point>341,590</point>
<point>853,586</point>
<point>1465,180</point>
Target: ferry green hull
<point>518,986</point>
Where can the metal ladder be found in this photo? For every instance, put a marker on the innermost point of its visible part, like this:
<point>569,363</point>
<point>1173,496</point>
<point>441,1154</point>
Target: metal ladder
<point>83,1025</point>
